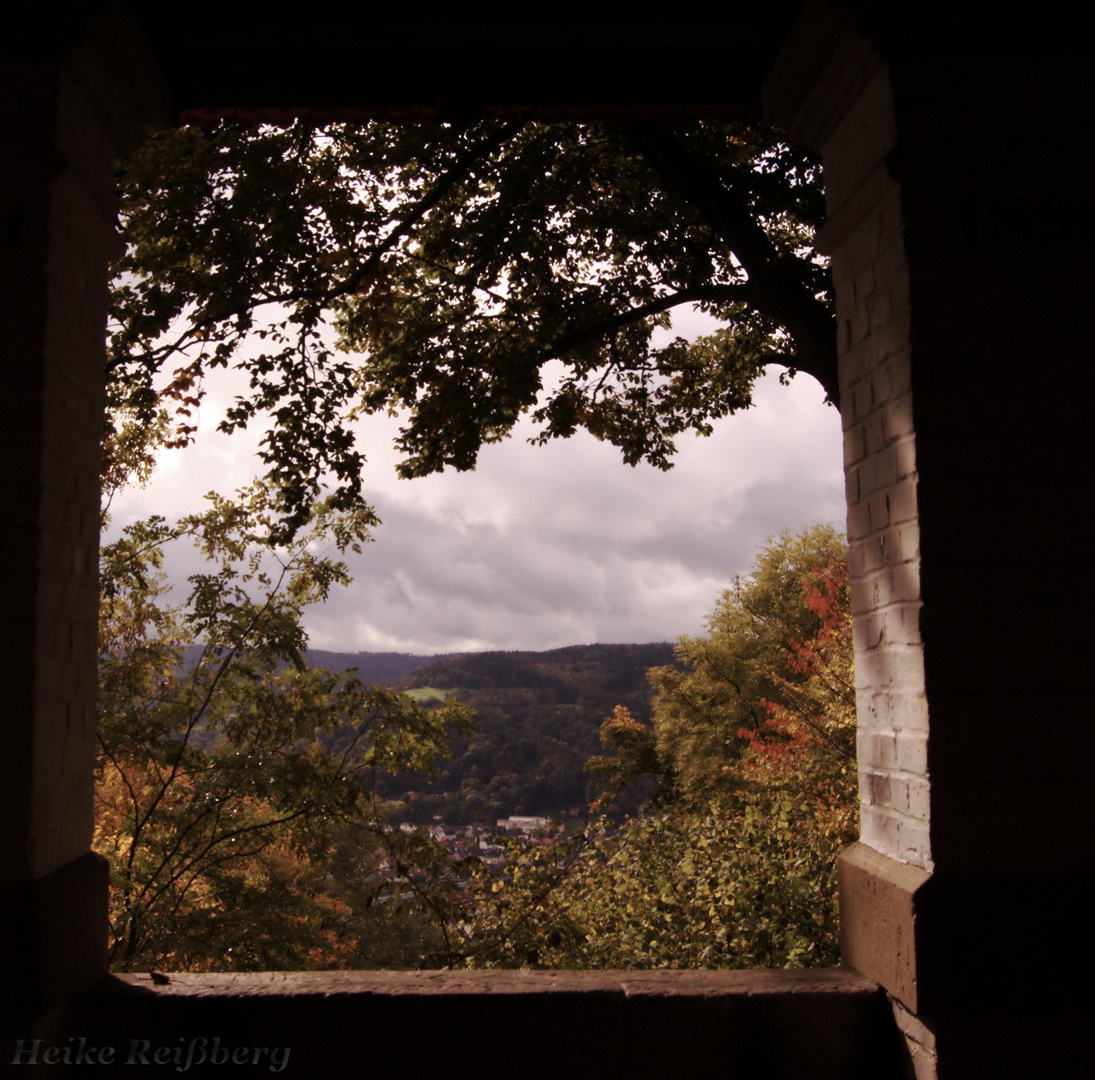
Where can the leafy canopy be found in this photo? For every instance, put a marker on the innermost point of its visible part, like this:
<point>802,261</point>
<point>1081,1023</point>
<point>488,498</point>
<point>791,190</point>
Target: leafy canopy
<point>455,262</point>
<point>775,665</point>
<point>228,770</point>
<point>733,863</point>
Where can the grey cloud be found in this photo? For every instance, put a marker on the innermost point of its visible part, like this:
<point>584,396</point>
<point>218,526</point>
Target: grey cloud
<point>540,547</point>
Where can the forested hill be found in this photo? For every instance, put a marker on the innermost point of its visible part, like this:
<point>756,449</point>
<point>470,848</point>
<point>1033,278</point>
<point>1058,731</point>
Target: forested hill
<point>585,669</point>
<point>373,667</point>
<point>538,721</point>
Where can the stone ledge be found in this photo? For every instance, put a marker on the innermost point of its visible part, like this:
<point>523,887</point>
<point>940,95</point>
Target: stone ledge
<point>628,984</point>
<point>955,947</point>
<point>878,919</point>
<point>776,1024</point>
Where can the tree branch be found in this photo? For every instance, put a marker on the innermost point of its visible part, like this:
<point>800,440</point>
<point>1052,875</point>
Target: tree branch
<point>777,285</point>
<point>696,294</point>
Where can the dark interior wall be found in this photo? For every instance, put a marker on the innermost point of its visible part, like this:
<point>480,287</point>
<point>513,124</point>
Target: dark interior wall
<point>73,98</point>
<point>345,59</point>
<point>959,202</point>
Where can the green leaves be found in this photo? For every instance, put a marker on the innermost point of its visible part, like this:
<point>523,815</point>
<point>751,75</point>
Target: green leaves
<point>733,863</point>
<point>226,766</point>
<point>708,711</point>
<point>437,269</point>
<point>454,262</point>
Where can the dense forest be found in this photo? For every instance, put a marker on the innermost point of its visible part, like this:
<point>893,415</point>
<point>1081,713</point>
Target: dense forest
<point>374,667</point>
<point>384,668</point>
<point>537,721</point>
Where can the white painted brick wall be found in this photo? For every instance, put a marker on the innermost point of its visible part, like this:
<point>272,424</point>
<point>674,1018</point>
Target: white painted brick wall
<point>871,276</point>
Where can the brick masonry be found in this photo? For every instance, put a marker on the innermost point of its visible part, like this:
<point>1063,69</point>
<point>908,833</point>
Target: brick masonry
<point>960,209</point>
<point>60,210</point>
<point>62,123</point>
<point>864,236</point>
<point>54,280</point>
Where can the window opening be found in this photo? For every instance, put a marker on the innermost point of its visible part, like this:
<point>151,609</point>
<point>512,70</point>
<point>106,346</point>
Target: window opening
<point>528,551</point>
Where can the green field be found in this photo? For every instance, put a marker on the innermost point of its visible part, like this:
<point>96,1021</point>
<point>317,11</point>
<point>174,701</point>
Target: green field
<point>425,693</point>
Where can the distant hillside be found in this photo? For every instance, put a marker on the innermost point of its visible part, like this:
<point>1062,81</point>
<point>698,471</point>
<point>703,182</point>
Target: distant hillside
<point>373,667</point>
<point>538,721</point>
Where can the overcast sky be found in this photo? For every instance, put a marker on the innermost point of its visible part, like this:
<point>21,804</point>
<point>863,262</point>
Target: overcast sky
<point>541,547</point>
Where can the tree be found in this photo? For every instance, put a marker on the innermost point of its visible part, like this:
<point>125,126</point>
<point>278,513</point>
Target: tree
<point>228,769</point>
<point>777,657</point>
<point>634,757</point>
<point>457,262</point>
<point>753,745</point>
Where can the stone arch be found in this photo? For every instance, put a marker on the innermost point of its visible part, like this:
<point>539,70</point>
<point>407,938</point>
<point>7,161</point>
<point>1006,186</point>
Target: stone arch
<point>961,231</point>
